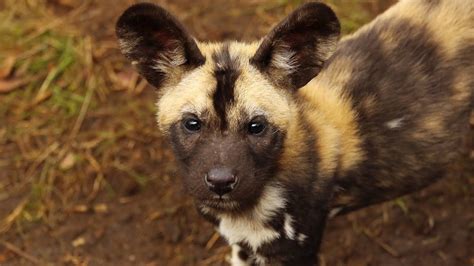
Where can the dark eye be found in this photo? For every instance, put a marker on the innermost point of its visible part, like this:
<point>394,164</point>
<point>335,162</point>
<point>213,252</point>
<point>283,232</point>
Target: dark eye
<point>255,127</point>
<point>192,124</point>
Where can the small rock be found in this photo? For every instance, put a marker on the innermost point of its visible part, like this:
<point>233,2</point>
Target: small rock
<point>80,241</point>
<point>68,161</point>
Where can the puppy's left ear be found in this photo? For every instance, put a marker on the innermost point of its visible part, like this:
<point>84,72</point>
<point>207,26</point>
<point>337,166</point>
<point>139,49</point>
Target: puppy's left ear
<point>295,50</point>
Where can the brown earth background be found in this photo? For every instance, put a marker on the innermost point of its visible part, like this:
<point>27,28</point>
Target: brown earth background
<point>86,179</point>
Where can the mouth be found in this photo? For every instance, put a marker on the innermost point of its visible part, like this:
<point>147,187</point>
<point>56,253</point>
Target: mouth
<point>224,203</point>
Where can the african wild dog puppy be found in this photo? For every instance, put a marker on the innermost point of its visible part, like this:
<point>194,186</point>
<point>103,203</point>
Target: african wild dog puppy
<point>274,134</point>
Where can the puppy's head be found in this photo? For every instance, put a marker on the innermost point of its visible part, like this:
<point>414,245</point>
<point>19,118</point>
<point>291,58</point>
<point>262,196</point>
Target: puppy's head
<point>227,107</point>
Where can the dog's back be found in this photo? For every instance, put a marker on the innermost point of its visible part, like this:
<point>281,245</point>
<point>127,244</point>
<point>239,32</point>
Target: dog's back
<point>409,76</point>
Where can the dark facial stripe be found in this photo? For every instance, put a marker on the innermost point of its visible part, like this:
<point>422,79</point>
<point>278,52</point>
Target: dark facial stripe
<point>226,73</point>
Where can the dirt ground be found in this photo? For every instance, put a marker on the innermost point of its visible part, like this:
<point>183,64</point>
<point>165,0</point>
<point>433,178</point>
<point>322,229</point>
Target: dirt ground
<point>113,198</point>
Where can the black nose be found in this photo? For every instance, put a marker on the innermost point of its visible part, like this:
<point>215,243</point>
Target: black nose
<point>221,180</point>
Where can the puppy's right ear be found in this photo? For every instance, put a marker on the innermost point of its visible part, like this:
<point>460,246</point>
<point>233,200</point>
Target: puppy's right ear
<point>156,43</point>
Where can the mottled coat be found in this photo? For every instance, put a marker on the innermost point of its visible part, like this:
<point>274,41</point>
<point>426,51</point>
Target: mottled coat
<point>304,124</point>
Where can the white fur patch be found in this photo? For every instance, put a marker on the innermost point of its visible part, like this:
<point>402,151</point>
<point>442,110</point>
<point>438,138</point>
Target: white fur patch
<point>251,228</point>
<point>301,238</point>
<point>326,47</point>
<point>288,227</point>
<point>235,260</point>
<point>259,260</point>
<point>245,230</point>
<point>285,59</point>
<point>334,212</point>
<point>168,60</point>
<point>395,123</point>
<point>128,44</point>
<point>205,209</point>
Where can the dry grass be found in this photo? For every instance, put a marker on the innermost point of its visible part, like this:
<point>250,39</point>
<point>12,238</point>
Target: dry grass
<point>51,81</point>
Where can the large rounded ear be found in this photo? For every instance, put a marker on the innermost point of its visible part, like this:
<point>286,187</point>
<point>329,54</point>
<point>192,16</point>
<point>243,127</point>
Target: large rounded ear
<point>295,50</point>
<point>156,43</point>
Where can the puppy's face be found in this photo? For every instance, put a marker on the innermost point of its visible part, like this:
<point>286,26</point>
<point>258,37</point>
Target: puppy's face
<point>226,107</point>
